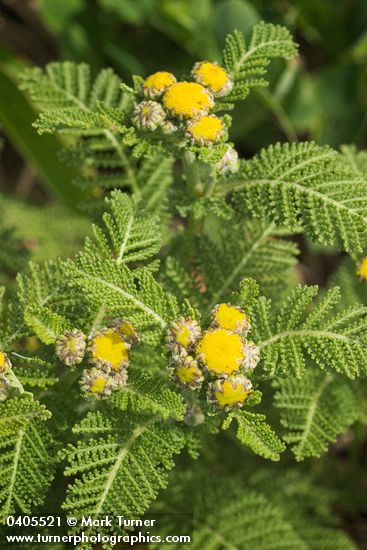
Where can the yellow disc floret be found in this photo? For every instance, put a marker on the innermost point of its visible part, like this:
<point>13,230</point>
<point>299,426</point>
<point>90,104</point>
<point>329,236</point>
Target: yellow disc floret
<point>157,83</point>
<point>221,352</point>
<point>187,100</point>
<point>362,268</point>
<point>231,318</point>
<point>108,349</point>
<point>98,385</point>
<point>205,130</point>
<point>213,77</point>
<point>230,393</point>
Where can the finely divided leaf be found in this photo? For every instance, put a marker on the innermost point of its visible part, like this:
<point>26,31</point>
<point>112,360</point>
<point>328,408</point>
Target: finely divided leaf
<point>247,64</point>
<point>315,411</point>
<point>132,235</point>
<point>334,341</point>
<point>145,394</point>
<point>256,433</point>
<point>248,249</point>
<point>44,323</point>
<point>122,473</point>
<point>25,454</point>
<point>306,184</point>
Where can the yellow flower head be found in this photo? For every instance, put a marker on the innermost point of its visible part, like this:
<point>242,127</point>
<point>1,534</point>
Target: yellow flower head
<point>187,100</point>
<point>213,77</point>
<point>5,364</point>
<point>157,83</point>
<point>205,130</point>
<point>108,349</point>
<point>96,383</point>
<point>362,268</point>
<point>70,347</point>
<point>186,371</point>
<point>231,318</point>
<point>127,330</point>
<point>221,352</point>
<point>182,334</point>
<point>230,393</point>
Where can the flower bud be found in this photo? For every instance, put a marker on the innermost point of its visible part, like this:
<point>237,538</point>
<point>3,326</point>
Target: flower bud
<point>168,128</point>
<point>231,317</point>
<point>182,334</point>
<point>229,393</point>
<point>362,268</point>
<point>252,356</point>
<point>70,347</point>
<point>96,383</point>
<point>4,387</point>
<point>213,77</point>
<point>194,415</point>
<point>127,330</point>
<point>119,380</point>
<point>205,130</point>
<point>158,83</point>
<point>186,372</point>
<point>148,116</point>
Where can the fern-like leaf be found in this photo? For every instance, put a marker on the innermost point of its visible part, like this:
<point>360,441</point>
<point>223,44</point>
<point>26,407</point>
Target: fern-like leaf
<point>38,287</point>
<point>308,185</point>
<point>254,432</point>
<point>245,250</point>
<point>334,341</point>
<point>131,234</point>
<point>44,323</point>
<point>269,510</point>
<point>34,371</point>
<point>145,394</point>
<point>101,275</point>
<point>25,455</point>
<point>93,111</point>
<point>247,64</point>
<point>315,410</point>
<point>122,473</point>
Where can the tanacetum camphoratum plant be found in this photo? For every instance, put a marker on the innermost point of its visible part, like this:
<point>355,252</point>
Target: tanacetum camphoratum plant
<point>182,316</point>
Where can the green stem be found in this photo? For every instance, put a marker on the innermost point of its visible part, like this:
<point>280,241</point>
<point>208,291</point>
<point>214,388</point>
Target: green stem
<point>192,175</point>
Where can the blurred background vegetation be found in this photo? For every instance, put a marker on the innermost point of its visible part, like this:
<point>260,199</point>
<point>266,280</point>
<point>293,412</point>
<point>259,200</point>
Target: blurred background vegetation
<point>322,95</point>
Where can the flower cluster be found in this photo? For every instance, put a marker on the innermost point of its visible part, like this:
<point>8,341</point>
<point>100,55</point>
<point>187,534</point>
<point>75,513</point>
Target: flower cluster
<point>222,352</point>
<point>108,350</point>
<point>5,366</point>
<point>184,107</point>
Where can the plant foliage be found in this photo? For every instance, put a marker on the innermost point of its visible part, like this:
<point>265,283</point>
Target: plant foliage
<point>183,318</point>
